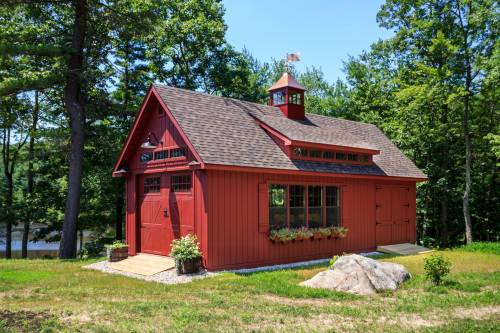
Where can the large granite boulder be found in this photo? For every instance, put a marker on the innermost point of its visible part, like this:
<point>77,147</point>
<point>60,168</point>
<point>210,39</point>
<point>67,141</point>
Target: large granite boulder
<point>359,275</point>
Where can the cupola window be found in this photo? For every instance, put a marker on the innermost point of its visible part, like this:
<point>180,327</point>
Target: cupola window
<point>279,97</point>
<point>295,98</point>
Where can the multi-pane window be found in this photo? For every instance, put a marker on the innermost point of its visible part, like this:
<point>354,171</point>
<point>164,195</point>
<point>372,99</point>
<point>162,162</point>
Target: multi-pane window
<point>178,152</point>
<point>180,183</point>
<point>341,156</point>
<point>364,158</point>
<point>278,97</point>
<point>151,185</point>
<point>297,206</point>
<point>161,155</point>
<point>315,153</point>
<point>329,155</point>
<point>297,203</point>
<point>295,98</point>
<point>332,208</point>
<point>277,207</point>
<point>300,152</point>
<point>146,157</point>
<point>315,206</point>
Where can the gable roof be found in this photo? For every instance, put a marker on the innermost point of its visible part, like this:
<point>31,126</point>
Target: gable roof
<point>223,131</point>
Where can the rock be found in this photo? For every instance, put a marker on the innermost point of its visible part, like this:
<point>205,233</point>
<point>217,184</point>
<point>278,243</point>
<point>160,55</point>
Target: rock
<point>359,275</point>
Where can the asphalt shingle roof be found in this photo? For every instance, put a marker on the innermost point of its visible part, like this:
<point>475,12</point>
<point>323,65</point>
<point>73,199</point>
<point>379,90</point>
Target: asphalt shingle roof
<point>224,131</point>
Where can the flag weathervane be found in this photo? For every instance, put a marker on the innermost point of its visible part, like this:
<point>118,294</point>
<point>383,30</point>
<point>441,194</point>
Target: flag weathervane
<point>291,57</point>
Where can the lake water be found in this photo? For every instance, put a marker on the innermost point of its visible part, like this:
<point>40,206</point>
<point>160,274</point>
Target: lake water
<point>35,249</point>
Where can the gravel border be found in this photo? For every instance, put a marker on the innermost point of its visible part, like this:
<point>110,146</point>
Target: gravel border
<point>292,265</point>
<point>166,277</point>
<point>170,276</point>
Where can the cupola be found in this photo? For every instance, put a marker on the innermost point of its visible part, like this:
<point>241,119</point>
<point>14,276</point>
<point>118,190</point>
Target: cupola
<point>288,95</point>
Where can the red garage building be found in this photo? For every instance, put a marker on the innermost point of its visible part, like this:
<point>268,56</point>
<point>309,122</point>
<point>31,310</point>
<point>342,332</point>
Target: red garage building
<point>230,171</point>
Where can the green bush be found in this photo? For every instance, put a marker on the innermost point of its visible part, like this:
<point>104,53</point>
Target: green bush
<point>436,268</point>
<point>185,248</point>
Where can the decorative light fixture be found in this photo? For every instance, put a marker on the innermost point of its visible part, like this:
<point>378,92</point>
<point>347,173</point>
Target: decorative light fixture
<point>148,143</point>
<point>121,172</point>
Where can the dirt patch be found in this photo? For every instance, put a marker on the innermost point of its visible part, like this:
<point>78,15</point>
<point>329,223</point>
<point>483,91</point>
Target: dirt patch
<point>24,321</point>
<point>477,313</point>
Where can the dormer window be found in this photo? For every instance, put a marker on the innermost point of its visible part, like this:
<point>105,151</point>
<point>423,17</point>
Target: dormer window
<point>320,155</point>
<point>279,97</point>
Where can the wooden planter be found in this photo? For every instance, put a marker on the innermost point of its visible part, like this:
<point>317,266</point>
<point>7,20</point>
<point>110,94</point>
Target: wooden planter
<point>117,254</point>
<point>188,266</point>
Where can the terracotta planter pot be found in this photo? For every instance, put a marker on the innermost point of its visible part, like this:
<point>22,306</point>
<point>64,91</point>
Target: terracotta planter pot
<point>117,254</point>
<point>188,266</point>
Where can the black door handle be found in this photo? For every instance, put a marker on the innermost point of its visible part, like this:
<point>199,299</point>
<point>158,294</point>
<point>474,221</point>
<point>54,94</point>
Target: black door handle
<point>165,212</point>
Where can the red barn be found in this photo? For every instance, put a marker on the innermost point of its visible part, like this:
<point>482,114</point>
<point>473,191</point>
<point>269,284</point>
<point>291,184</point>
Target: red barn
<point>229,171</point>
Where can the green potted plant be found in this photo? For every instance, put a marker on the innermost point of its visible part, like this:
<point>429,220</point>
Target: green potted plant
<point>317,234</point>
<point>303,233</point>
<point>187,254</point>
<point>116,251</point>
<point>339,232</point>
<point>286,235</point>
<point>325,232</point>
<point>273,235</point>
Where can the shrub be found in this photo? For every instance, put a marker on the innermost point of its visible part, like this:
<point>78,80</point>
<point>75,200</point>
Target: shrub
<point>436,268</point>
<point>185,248</point>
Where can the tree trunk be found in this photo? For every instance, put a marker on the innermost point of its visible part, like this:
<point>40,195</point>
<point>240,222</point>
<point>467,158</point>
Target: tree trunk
<point>76,112</point>
<point>8,228</point>
<point>468,157</point>
<point>30,186</point>
<point>444,168</point>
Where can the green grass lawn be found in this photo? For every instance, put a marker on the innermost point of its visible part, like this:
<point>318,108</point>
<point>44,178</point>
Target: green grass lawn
<point>52,295</point>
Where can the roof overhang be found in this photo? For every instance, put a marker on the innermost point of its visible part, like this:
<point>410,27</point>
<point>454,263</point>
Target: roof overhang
<point>237,168</point>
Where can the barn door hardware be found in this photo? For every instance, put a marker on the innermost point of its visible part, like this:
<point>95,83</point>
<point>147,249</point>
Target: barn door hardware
<point>378,206</point>
<point>407,205</point>
<point>165,212</point>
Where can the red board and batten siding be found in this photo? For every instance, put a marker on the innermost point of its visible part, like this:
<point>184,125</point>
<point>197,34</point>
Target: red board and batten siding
<point>236,238</point>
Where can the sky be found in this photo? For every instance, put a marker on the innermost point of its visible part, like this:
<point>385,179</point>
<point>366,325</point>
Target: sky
<point>325,32</point>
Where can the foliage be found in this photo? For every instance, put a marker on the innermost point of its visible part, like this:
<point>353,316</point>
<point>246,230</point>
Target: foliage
<point>333,260</point>
<point>116,245</point>
<point>288,234</point>
<point>304,233</point>
<point>483,247</point>
<point>185,248</point>
<point>436,268</point>
<point>92,249</point>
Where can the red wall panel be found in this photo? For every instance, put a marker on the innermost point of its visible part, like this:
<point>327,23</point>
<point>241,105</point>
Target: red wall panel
<point>234,240</point>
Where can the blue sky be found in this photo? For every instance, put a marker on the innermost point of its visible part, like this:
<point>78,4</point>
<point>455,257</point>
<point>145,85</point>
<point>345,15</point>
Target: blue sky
<point>325,32</point>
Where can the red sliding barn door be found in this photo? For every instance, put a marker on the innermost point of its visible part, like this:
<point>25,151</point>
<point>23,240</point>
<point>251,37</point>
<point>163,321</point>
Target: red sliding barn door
<point>392,215</point>
<point>155,229</point>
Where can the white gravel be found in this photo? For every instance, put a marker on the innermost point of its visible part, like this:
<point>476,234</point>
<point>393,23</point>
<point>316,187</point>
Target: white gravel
<point>167,277</point>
